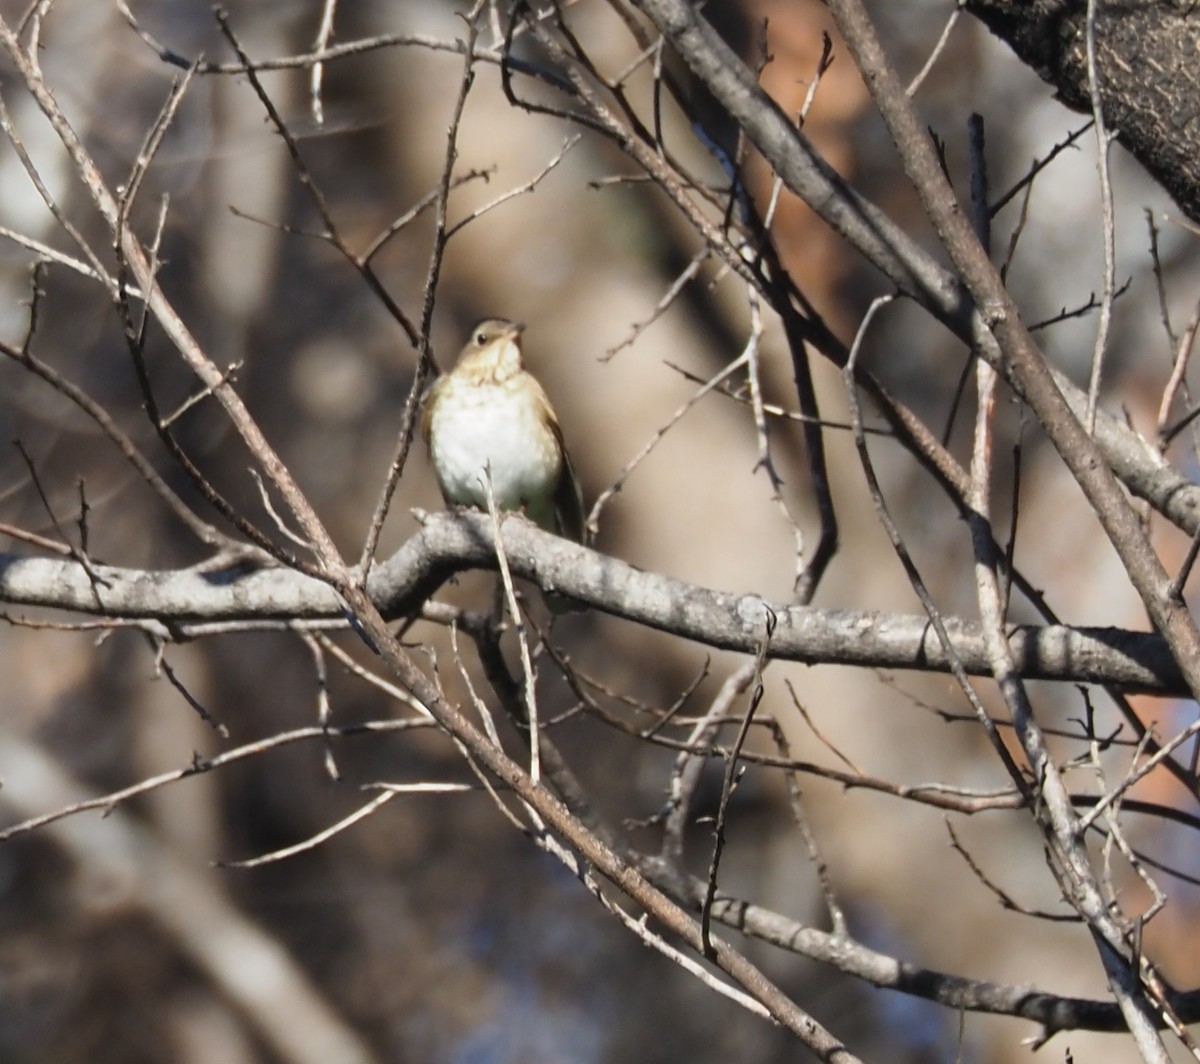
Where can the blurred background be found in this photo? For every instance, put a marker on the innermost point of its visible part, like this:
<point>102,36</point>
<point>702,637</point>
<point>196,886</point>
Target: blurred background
<point>432,931</point>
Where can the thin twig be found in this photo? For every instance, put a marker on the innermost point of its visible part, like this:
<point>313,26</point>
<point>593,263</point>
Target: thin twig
<point>317,74</point>
<point>199,766</point>
<point>732,775</point>
<point>514,611</point>
<point>1108,222</point>
<point>420,335</point>
<point>914,86</point>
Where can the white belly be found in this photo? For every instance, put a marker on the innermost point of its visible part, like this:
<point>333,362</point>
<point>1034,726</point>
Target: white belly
<point>499,431</point>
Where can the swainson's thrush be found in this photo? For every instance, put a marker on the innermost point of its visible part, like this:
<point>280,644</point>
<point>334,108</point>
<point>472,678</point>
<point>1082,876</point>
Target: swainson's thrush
<point>489,416</point>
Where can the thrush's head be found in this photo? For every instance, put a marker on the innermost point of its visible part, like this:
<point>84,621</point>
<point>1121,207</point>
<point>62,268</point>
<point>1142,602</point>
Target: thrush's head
<point>493,350</point>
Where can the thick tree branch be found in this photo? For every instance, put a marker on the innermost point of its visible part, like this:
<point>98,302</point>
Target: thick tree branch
<point>452,542</point>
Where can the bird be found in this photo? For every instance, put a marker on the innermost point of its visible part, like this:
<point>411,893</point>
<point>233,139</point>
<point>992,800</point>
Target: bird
<point>488,416</point>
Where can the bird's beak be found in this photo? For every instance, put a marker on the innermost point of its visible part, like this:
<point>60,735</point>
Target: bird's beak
<point>516,329</point>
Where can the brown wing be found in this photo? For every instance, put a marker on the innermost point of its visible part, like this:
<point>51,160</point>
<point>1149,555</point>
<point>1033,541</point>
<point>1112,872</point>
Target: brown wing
<point>568,494</point>
<point>568,498</point>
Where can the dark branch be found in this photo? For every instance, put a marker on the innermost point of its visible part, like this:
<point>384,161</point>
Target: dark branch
<point>1146,69</point>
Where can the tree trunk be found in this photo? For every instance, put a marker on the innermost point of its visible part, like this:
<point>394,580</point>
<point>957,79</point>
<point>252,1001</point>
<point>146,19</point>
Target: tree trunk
<point>1147,66</point>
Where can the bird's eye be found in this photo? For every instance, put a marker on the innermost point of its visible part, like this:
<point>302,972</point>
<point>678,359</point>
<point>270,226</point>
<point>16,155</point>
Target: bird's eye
<point>480,339</point>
